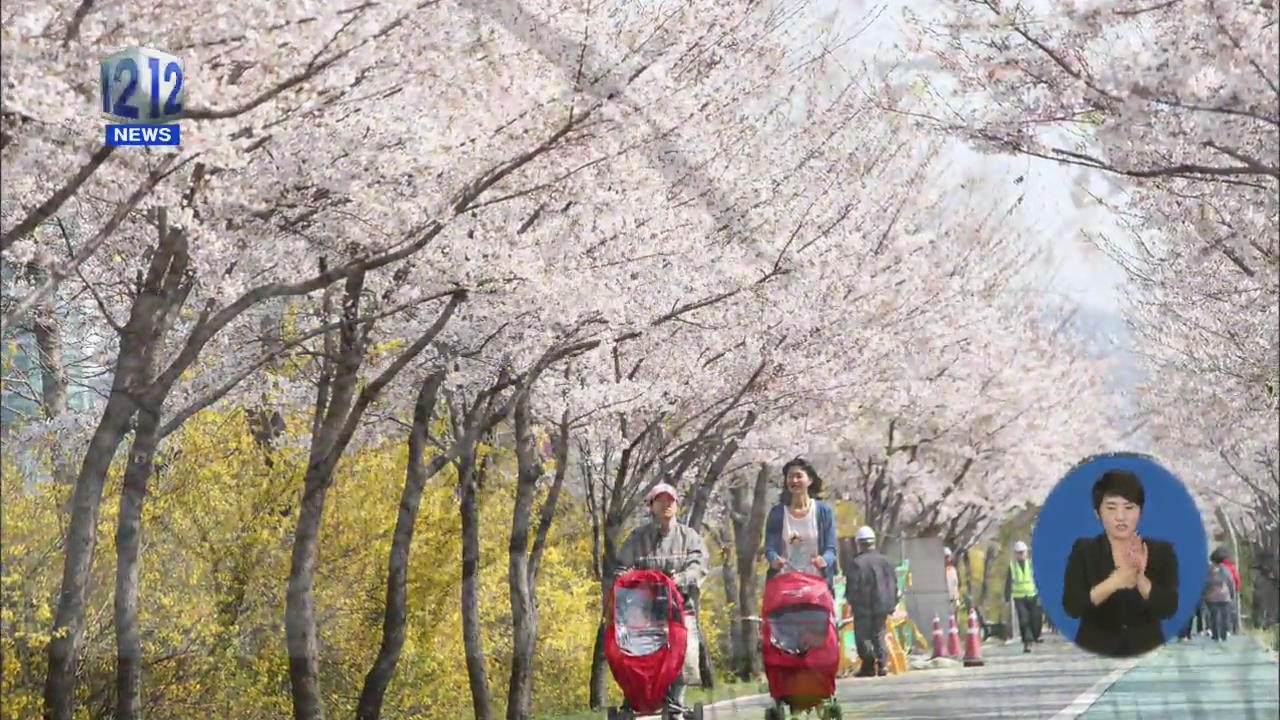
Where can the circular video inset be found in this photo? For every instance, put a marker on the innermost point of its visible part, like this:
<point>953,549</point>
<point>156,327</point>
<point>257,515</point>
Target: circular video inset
<point>1120,555</point>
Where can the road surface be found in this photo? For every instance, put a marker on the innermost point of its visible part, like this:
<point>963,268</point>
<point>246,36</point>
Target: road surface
<point>1060,682</point>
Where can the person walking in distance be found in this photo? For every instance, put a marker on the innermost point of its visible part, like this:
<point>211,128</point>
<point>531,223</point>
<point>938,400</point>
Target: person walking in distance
<point>1020,587</point>
<point>953,580</point>
<point>1233,617</point>
<point>872,593</point>
<point>1217,598</point>
<point>679,552</point>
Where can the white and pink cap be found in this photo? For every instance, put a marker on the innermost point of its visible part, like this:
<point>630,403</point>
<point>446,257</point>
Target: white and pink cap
<point>662,489</point>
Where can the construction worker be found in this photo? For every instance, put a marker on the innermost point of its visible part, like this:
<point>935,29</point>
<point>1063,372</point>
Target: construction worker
<point>1020,587</point>
<point>872,594</point>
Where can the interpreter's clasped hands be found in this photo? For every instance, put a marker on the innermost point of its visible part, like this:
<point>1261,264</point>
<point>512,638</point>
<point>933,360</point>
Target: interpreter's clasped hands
<point>1131,562</point>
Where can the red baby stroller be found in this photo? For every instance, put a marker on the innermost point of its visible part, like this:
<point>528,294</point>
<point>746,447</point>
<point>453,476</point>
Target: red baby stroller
<point>801,653</point>
<point>644,642</point>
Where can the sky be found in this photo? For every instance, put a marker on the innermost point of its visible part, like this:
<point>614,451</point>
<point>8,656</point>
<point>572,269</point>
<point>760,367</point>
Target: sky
<point>1077,270</point>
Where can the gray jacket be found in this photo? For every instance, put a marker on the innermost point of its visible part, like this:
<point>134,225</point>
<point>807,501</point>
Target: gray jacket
<point>871,584</point>
<point>1217,584</point>
<point>681,553</point>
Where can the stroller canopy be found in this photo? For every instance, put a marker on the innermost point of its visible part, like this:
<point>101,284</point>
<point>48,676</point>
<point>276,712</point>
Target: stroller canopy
<point>645,637</point>
<point>798,610</point>
<point>801,653</point>
<point>641,618</point>
<point>796,631</point>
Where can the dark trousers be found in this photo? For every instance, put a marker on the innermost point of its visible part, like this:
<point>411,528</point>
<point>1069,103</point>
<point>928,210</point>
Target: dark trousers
<point>1218,621</point>
<point>868,628</point>
<point>1028,618</point>
<point>675,697</point>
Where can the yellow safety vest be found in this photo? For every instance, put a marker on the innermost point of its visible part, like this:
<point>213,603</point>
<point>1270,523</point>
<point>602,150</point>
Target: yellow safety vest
<point>1023,585</point>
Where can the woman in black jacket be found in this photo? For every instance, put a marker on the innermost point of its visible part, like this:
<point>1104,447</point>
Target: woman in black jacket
<point>1118,584</point>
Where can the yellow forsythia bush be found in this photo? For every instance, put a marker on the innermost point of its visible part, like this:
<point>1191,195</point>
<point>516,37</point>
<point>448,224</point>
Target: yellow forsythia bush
<point>217,535</point>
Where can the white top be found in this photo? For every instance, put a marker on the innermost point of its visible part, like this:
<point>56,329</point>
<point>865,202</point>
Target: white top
<point>800,538</point>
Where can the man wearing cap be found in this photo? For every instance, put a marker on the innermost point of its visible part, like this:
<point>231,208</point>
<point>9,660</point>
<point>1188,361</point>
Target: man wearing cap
<point>872,593</point>
<point>679,552</point>
<point>1020,587</point>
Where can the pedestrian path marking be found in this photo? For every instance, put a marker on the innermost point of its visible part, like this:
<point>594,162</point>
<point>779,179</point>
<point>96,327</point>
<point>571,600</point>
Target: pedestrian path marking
<point>1086,699</point>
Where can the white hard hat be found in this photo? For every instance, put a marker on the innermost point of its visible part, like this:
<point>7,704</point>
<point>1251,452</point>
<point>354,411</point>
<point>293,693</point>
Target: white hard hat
<point>865,533</point>
<point>1019,546</point>
<point>946,551</point>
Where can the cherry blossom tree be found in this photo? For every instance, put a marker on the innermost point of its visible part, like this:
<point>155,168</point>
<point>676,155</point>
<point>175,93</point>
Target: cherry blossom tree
<point>679,294</point>
<point>1170,112</point>
<point>206,256</point>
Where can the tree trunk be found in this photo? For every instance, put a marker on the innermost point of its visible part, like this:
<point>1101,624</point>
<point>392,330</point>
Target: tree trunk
<point>394,617</point>
<point>524,610</point>
<point>334,410</point>
<point>299,609</point>
<point>1263,574</point>
<point>128,542</point>
<point>135,357</point>
<point>599,673</point>
<point>170,282</point>
<point>988,560</point>
<point>729,577</point>
<point>86,504</point>
<point>611,530</point>
<point>706,666</point>
<point>54,383</point>
<point>749,519</point>
<point>477,674</point>
<point>338,412</point>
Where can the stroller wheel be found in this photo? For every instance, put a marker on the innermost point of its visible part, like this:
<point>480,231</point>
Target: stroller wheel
<point>611,713</point>
<point>697,711</point>
<point>771,713</point>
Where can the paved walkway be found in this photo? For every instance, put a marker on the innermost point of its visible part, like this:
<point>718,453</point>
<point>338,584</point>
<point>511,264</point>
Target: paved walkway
<point>1060,682</point>
<point>1237,679</point>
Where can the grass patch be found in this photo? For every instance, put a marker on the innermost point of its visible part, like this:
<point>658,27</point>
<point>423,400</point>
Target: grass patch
<point>1270,638</point>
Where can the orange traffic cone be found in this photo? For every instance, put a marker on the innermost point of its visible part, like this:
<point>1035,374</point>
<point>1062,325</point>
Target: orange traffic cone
<point>953,639</point>
<point>939,645</point>
<point>973,643</point>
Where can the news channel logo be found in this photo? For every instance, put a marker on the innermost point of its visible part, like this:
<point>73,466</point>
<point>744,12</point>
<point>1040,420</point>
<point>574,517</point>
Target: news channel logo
<point>142,92</point>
